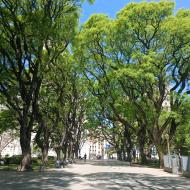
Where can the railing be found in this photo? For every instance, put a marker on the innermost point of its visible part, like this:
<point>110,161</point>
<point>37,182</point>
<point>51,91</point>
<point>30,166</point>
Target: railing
<point>177,164</point>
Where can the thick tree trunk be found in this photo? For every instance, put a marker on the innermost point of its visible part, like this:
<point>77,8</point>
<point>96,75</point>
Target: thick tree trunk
<point>119,155</point>
<point>161,156</point>
<point>142,154</point>
<point>142,141</point>
<point>25,140</point>
<point>142,137</point>
<point>128,143</point>
<point>45,155</point>
<point>72,151</point>
<point>45,148</point>
<point>129,156</point>
<point>69,151</point>
<point>76,150</point>
<point>65,151</point>
<point>42,139</point>
<point>160,144</point>
<point>161,149</point>
<point>58,153</point>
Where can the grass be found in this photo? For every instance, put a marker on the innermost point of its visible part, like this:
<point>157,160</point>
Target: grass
<point>35,165</point>
<point>152,163</point>
<point>10,167</point>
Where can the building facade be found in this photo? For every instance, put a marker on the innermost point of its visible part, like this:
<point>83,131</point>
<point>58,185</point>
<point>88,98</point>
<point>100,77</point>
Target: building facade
<point>94,149</point>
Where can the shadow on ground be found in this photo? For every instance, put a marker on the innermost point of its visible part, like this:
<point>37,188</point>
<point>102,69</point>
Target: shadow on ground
<point>133,181</point>
<point>37,180</point>
<point>62,180</point>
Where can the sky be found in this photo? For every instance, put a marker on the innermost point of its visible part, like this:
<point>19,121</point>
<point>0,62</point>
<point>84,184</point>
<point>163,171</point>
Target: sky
<point>111,7</point>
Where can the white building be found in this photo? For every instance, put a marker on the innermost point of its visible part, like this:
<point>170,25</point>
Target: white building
<point>94,148</point>
<point>13,146</point>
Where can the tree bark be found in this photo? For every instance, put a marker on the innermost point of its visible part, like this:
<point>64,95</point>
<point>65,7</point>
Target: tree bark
<point>129,157</point>
<point>142,140</point>
<point>58,153</point>
<point>119,155</point>
<point>161,156</point>
<point>128,143</point>
<point>25,140</point>
<point>45,155</point>
<point>76,150</point>
<point>142,154</point>
<point>65,151</point>
<point>42,139</point>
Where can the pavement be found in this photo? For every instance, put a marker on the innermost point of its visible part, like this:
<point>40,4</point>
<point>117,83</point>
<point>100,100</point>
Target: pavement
<point>94,175</point>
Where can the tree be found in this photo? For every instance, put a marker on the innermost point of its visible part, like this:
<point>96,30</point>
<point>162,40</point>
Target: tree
<point>92,54</point>
<point>33,35</point>
<point>141,56</point>
<point>181,140</point>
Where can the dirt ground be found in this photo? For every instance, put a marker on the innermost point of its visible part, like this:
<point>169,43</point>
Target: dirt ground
<point>94,175</point>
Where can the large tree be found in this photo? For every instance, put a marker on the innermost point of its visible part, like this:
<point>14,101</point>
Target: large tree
<point>140,57</point>
<point>33,34</point>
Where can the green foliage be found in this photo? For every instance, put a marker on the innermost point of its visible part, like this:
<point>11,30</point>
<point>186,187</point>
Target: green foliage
<point>7,120</point>
<point>125,79</point>
<point>16,159</point>
<point>136,70</point>
<point>182,139</point>
<point>34,35</point>
<point>182,136</point>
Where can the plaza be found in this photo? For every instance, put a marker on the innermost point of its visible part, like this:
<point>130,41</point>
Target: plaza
<point>94,95</point>
<point>95,175</point>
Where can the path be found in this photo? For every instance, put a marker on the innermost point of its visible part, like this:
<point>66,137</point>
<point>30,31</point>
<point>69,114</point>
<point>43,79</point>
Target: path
<point>94,175</point>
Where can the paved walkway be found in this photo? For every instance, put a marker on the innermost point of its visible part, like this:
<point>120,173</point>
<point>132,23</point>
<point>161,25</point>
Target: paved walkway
<point>94,175</point>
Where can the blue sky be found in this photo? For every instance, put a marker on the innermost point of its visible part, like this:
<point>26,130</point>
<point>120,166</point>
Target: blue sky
<point>111,7</point>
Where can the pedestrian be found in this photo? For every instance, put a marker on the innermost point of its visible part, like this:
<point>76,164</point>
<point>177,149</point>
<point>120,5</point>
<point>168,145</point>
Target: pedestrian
<point>85,157</point>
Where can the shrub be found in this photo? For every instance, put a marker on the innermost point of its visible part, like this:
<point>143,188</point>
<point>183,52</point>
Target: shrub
<point>51,158</point>
<point>16,159</point>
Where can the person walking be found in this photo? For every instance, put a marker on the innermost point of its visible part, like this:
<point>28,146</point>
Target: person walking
<point>85,157</point>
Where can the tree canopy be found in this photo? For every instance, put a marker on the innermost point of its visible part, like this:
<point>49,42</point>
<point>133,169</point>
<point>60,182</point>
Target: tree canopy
<point>125,79</point>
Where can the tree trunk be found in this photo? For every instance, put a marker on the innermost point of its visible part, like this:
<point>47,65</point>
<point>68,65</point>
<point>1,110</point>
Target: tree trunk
<point>143,158</point>
<point>65,150</point>
<point>25,140</point>
<point>161,156</point>
<point>45,155</point>
<point>58,153</point>
<point>128,143</point>
<point>142,141</point>
<point>142,154</point>
<point>160,144</point>
<point>129,157</point>
<point>161,149</point>
<point>42,139</point>
<point>76,150</point>
<point>69,151</point>
<point>72,151</point>
<point>119,155</point>
<point>124,158</point>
